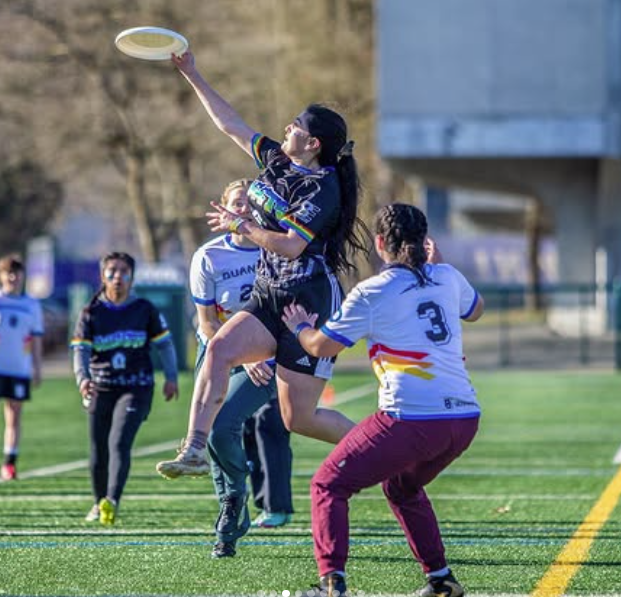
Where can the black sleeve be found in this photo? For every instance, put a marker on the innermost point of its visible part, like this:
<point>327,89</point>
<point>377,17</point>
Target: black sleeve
<point>265,150</point>
<point>83,333</point>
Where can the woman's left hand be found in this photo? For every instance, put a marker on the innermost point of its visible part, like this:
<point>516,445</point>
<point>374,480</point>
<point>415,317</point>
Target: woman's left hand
<point>294,315</point>
<point>221,219</point>
<point>171,390</point>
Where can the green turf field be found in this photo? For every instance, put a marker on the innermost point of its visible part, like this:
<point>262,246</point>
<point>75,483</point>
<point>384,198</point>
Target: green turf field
<point>507,508</point>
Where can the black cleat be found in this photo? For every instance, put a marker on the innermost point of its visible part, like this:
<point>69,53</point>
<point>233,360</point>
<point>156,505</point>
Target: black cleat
<point>229,527</point>
<point>444,586</point>
<point>223,549</point>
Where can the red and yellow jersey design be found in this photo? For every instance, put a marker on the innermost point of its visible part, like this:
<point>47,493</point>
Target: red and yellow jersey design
<point>414,338</point>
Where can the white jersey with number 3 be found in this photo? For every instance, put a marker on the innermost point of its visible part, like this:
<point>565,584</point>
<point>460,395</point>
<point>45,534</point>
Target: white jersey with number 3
<point>414,339</point>
<point>222,274</point>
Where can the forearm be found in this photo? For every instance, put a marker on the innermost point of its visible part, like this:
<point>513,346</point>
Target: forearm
<point>168,357</point>
<point>316,343</point>
<point>224,116</point>
<point>81,364</point>
<point>290,246</point>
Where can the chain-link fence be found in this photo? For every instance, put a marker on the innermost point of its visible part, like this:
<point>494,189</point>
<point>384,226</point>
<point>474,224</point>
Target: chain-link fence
<point>563,326</point>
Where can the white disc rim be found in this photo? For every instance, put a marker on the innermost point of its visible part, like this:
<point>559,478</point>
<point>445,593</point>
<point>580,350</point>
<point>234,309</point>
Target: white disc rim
<point>128,42</point>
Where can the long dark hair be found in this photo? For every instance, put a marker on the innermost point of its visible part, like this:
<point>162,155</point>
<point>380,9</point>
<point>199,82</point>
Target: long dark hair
<point>403,228</point>
<point>113,255</point>
<point>350,233</point>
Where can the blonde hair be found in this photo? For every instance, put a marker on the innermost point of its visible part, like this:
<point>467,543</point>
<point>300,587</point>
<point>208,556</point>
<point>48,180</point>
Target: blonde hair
<point>241,183</point>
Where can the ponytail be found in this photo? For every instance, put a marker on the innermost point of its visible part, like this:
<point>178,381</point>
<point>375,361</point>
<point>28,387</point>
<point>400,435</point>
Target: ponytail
<point>351,233</point>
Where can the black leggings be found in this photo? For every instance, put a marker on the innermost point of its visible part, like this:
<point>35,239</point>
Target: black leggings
<point>115,417</point>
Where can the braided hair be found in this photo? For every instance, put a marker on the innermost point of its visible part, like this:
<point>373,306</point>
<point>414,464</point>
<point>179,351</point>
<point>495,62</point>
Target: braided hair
<point>403,228</point>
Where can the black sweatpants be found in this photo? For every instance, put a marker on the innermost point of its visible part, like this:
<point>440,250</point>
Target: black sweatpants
<point>115,417</point>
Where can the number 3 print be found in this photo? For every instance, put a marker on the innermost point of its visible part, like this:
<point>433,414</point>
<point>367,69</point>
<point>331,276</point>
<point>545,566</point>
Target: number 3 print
<point>439,333</point>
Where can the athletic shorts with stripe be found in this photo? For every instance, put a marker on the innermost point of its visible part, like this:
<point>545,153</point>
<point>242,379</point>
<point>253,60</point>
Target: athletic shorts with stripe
<point>321,294</point>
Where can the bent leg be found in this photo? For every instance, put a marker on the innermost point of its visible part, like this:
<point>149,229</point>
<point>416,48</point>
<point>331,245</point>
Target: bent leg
<point>225,440</point>
<point>242,339</point>
<point>368,454</point>
<point>436,444</point>
<point>298,395</point>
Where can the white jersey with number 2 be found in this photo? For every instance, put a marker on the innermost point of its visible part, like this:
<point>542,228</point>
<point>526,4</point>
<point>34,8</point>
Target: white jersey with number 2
<point>414,339</point>
<point>222,274</point>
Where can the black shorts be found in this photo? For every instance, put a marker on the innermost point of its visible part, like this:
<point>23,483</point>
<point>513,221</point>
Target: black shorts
<point>17,388</point>
<point>322,295</point>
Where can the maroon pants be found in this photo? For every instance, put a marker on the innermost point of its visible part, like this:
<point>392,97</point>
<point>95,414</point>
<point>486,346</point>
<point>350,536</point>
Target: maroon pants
<point>402,455</point>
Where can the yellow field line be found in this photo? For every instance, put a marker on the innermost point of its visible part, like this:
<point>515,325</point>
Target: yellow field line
<point>575,553</point>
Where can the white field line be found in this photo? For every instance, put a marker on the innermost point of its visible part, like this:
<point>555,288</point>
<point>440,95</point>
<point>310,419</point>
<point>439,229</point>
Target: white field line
<point>492,497</point>
<point>617,457</point>
<point>343,398</point>
<point>66,467</point>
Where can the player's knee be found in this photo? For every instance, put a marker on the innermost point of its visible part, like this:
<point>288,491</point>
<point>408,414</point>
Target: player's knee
<point>327,481</point>
<point>219,354</point>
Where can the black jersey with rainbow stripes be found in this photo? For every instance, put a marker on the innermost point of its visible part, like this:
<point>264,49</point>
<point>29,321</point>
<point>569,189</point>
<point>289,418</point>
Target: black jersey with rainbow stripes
<point>285,197</point>
<point>120,338</point>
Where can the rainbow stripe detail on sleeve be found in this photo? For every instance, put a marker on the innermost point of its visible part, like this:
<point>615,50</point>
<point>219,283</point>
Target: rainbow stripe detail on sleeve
<point>290,223</point>
<point>385,359</point>
<point>80,342</point>
<point>161,337</point>
<point>257,139</point>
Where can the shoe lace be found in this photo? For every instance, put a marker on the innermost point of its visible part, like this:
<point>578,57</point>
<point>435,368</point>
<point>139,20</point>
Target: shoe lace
<point>228,511</point>
<point>223,547</point>
<point>182,446</point>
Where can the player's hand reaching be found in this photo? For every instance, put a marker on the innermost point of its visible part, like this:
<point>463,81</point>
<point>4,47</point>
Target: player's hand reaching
<point>433,253</point>
<point>223,220</point>
<point>294,315</point>
<point>259,373</point>
<point>185,63</point>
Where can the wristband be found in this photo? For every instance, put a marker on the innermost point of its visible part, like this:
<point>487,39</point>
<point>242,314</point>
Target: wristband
<point>300,327</point>
<point>236,224</point>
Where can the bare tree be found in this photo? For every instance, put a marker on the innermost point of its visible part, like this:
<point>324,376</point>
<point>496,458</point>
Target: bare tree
<point>90,108</point>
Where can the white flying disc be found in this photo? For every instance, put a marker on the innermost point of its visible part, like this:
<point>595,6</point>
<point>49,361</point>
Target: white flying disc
<point>151,43</point>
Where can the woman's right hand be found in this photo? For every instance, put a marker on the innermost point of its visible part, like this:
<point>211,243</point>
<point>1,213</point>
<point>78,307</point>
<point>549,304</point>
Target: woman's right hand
<point>87,389</point>
<point>185,63</point>
<point>259,373</point>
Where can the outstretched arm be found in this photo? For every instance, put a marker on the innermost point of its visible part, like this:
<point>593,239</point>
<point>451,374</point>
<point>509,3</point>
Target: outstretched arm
<point>221,112</point>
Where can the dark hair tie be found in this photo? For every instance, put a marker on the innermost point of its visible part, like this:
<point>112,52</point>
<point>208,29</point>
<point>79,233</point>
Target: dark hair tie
<point>346,151</point>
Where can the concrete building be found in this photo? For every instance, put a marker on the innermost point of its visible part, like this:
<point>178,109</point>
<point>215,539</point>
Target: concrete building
<point>519,96</point>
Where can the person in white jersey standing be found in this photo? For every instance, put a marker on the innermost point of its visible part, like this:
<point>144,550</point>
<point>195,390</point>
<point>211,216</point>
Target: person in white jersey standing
<point>410,315</point>
<point>21,347</point>
<point>222,275</point>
